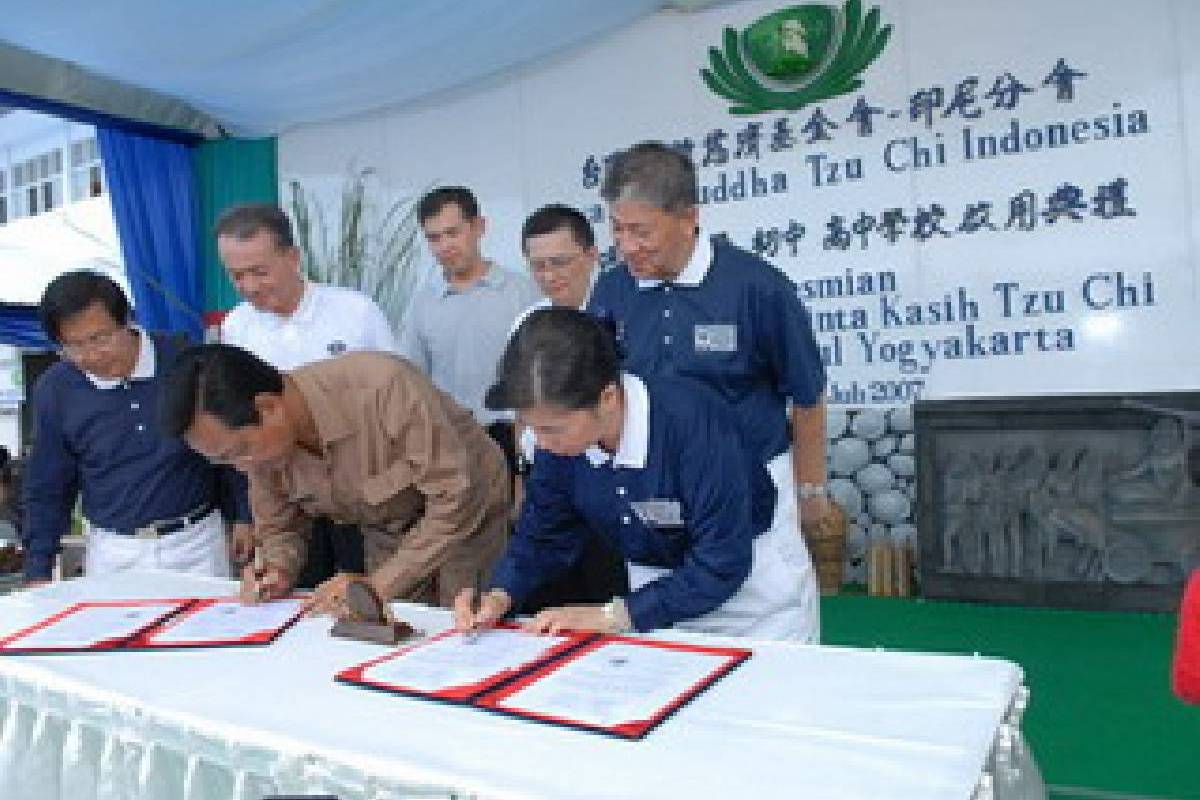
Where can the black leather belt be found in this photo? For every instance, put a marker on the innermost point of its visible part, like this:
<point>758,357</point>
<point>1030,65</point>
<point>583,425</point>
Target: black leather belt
<point>165,527</point>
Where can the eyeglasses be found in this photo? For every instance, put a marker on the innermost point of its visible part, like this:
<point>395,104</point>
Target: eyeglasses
<point>553,263</point>
<point>97,341</point>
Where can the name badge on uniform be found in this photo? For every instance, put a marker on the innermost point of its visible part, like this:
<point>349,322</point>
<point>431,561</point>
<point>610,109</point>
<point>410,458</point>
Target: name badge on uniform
<point>716,338</point>
<point>659,513</point>
<point>336,347</point>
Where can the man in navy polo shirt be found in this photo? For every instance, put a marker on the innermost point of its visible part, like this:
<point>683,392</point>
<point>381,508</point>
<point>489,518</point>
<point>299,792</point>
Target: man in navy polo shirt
<point>149,501</point>
<point>707,311</point>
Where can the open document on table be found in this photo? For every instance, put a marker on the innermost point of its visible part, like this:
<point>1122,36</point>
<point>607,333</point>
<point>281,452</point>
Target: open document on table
<point>606,684</point>
<point>458,667</point>
<point>612,683</point>
<point>90,626</point>
<point>120,625</point>
<point>213,622</point>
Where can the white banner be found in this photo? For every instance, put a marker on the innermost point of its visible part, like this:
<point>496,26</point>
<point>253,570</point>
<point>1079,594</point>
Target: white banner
<point>1003,206</point>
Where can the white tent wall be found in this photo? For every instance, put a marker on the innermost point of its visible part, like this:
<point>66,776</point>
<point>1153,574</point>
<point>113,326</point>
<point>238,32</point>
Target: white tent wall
<point>1091,300</point>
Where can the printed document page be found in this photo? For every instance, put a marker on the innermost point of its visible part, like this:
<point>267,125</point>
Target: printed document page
<point>91,625</point>
<point>226,621</point>
<point>458,660</point>
<point>615,683</point>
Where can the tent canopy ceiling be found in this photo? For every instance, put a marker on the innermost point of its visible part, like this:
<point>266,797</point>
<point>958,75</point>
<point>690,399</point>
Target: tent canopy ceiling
<point>261,68</point>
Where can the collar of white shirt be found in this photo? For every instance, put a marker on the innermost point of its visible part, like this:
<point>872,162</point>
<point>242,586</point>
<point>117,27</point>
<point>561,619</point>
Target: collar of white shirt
<point>696,268</point>
<point>306,310</point>
<point>635,429</point>
<point>143,369</point>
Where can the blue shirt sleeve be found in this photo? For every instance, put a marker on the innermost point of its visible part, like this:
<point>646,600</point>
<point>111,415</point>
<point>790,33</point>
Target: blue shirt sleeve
<point>716,506</point>
<point>550,534</point>
<point>51,486</point>
<point>791,347</point>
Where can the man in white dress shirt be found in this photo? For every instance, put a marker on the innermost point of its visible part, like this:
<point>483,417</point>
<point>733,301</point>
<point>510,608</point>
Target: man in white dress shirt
<point>288,322</point>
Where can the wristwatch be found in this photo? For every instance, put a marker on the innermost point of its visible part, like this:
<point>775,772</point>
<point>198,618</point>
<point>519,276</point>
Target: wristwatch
<point>807,490</point>
<point>616,616</point>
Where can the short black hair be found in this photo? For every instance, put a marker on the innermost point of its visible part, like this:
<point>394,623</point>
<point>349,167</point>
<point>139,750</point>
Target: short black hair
<point>558,217</point>
<point>558,357</point>
<point>74,292</point>
<point>244,221</point>
<point>218,379</point>
<point>432,203</point>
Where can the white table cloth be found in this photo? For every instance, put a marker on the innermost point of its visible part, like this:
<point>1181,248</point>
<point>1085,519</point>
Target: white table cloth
<point>238,724</point>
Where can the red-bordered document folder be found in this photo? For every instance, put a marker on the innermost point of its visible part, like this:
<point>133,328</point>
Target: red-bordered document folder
<point>614,685</point>
<point>222,622</point>
<point>126,625</point>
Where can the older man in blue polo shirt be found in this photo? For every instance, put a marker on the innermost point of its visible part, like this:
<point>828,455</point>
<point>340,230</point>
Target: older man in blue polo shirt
<point>687,307</point>
<point>149,501</point>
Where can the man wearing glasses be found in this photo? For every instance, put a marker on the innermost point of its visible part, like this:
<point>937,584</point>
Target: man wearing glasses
<point>149,501</point>
<point>560,246</point>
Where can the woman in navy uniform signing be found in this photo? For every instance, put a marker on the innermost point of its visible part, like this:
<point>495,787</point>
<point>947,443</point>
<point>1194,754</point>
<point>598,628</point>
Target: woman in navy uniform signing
<point>658,467</point>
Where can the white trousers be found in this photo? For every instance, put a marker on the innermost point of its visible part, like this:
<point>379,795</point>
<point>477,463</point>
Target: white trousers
<point>779,598</point>
<point>197,549</point>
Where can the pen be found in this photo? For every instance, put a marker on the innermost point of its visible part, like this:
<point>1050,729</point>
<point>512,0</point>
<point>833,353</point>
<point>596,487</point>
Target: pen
<point>258,571</point>
<point>472,635</point>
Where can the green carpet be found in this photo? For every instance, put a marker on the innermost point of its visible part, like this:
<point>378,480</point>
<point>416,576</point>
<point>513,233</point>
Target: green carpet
<point>1102,719</point>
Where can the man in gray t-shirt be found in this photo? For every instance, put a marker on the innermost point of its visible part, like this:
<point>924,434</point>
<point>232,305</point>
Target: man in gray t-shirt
<point>457,325</point>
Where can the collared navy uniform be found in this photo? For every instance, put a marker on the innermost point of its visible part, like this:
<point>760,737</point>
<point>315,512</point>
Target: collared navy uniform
<point>681,493</point>
<point>729,321</point>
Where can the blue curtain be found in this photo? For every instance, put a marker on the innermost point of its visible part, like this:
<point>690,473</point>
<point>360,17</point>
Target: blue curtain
<point>152,183</point>
<point>19,326</point>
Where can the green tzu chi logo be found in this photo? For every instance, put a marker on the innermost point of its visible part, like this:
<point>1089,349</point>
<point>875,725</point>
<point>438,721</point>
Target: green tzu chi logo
<point>802,55</point>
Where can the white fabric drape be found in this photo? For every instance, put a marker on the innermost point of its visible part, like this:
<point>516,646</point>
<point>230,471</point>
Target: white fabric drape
<point>311,60</point>
<point>234,724</point>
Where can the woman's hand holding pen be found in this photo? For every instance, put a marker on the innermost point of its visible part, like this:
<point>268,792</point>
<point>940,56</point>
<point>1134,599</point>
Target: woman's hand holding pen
<point>492,605</point>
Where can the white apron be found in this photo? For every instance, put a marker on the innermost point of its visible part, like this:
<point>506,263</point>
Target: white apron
<point>779,598</point>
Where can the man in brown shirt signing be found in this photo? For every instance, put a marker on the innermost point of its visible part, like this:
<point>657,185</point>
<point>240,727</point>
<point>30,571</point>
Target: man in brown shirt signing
<point>363,438</point>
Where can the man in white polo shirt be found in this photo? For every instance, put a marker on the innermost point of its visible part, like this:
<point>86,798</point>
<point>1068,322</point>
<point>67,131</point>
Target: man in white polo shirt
<point>288,322</point>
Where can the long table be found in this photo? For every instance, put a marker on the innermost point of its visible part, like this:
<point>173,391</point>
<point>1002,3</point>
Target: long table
<point>241,724</point>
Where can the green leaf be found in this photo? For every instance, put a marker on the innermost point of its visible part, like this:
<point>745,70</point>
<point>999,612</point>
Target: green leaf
<point>379,258</point>
<point>720,88</point>
<point>754,91</point>
<point>736,88</point>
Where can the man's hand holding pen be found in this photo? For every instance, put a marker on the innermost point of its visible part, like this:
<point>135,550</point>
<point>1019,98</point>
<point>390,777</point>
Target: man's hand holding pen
<point>261,581</point>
